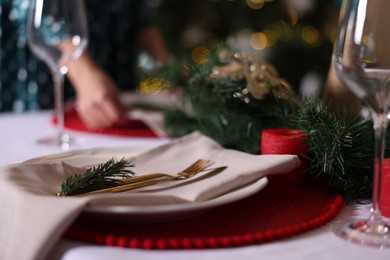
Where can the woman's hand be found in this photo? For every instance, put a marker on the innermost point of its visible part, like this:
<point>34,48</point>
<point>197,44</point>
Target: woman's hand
<point>97,100</point>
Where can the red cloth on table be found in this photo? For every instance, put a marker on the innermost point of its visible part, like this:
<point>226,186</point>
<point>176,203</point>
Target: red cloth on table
<point>131,128</point>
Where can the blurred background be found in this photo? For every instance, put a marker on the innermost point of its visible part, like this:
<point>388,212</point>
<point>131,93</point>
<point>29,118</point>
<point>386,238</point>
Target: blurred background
<point>296,36</point>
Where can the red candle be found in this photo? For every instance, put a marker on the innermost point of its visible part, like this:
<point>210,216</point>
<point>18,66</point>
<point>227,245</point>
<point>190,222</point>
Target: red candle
<point>287,141</point>
<point>385,189</point>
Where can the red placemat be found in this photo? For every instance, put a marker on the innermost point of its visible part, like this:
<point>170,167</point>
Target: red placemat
<point>131,128</point>
<point>273,213</point>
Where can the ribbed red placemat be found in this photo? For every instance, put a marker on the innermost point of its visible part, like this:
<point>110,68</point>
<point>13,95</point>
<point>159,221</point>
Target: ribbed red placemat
<point>131,128</point>
<point>272,214</point>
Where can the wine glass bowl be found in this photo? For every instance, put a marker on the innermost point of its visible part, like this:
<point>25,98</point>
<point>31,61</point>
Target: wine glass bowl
<point>362,61</point>
<point>57,33</point>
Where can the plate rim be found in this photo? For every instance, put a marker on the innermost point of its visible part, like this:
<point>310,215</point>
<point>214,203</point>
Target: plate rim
<point>230,197</point>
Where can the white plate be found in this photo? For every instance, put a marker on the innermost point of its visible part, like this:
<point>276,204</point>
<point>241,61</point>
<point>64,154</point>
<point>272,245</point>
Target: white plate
<point>91,157</point>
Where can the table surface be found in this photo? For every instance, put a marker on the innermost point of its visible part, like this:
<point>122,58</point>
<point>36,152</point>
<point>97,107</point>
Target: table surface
<point>19,133</point>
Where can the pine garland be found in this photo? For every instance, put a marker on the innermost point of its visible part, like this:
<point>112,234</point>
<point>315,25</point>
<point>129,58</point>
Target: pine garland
<point>341,146</point>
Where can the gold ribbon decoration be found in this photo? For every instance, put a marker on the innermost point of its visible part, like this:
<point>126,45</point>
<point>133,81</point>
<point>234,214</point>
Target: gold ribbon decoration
<point>261,77</point>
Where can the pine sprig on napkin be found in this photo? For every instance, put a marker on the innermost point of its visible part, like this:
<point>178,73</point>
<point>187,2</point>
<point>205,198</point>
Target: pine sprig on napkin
<point>105,175</point>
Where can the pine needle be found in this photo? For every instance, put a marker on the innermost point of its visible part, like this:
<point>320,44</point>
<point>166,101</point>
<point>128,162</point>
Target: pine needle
<point>105,175</point>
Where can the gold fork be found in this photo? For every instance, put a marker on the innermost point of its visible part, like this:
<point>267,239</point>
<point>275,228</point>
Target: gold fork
<point>154,178</point>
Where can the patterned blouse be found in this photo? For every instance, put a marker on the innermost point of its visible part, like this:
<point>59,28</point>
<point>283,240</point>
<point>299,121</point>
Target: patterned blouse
<point>25,81</point>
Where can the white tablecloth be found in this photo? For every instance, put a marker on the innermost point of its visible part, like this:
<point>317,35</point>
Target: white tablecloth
<point>18,143</point>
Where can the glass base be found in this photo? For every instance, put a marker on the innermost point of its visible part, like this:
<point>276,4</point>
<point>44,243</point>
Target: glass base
<point>364,232</point>
<point>64,141</point>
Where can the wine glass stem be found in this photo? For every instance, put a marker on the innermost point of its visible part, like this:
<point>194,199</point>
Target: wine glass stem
<point>380,125</point>
<point>58,78</point>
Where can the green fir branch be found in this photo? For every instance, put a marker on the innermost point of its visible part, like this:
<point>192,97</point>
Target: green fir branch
<point>105,175</point>
<point>341,148</point>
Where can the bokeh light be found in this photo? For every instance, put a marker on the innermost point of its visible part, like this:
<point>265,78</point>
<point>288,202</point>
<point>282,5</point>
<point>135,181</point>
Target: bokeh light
<point>293,16</point>
<point>152,85</point>
<point>255,4</point>
<point>311,35</point>
<point>259,41</point>
<point>271,37</point>
<point>200,54</point>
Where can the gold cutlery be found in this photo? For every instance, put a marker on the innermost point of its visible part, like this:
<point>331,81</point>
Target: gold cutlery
<point>154,178</point>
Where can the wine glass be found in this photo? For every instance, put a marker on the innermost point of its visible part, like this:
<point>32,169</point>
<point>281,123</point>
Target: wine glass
<point>57,33</point>
<point>362,61</point>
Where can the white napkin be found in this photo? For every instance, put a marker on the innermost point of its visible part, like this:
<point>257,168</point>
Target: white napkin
<point>33,219</point>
